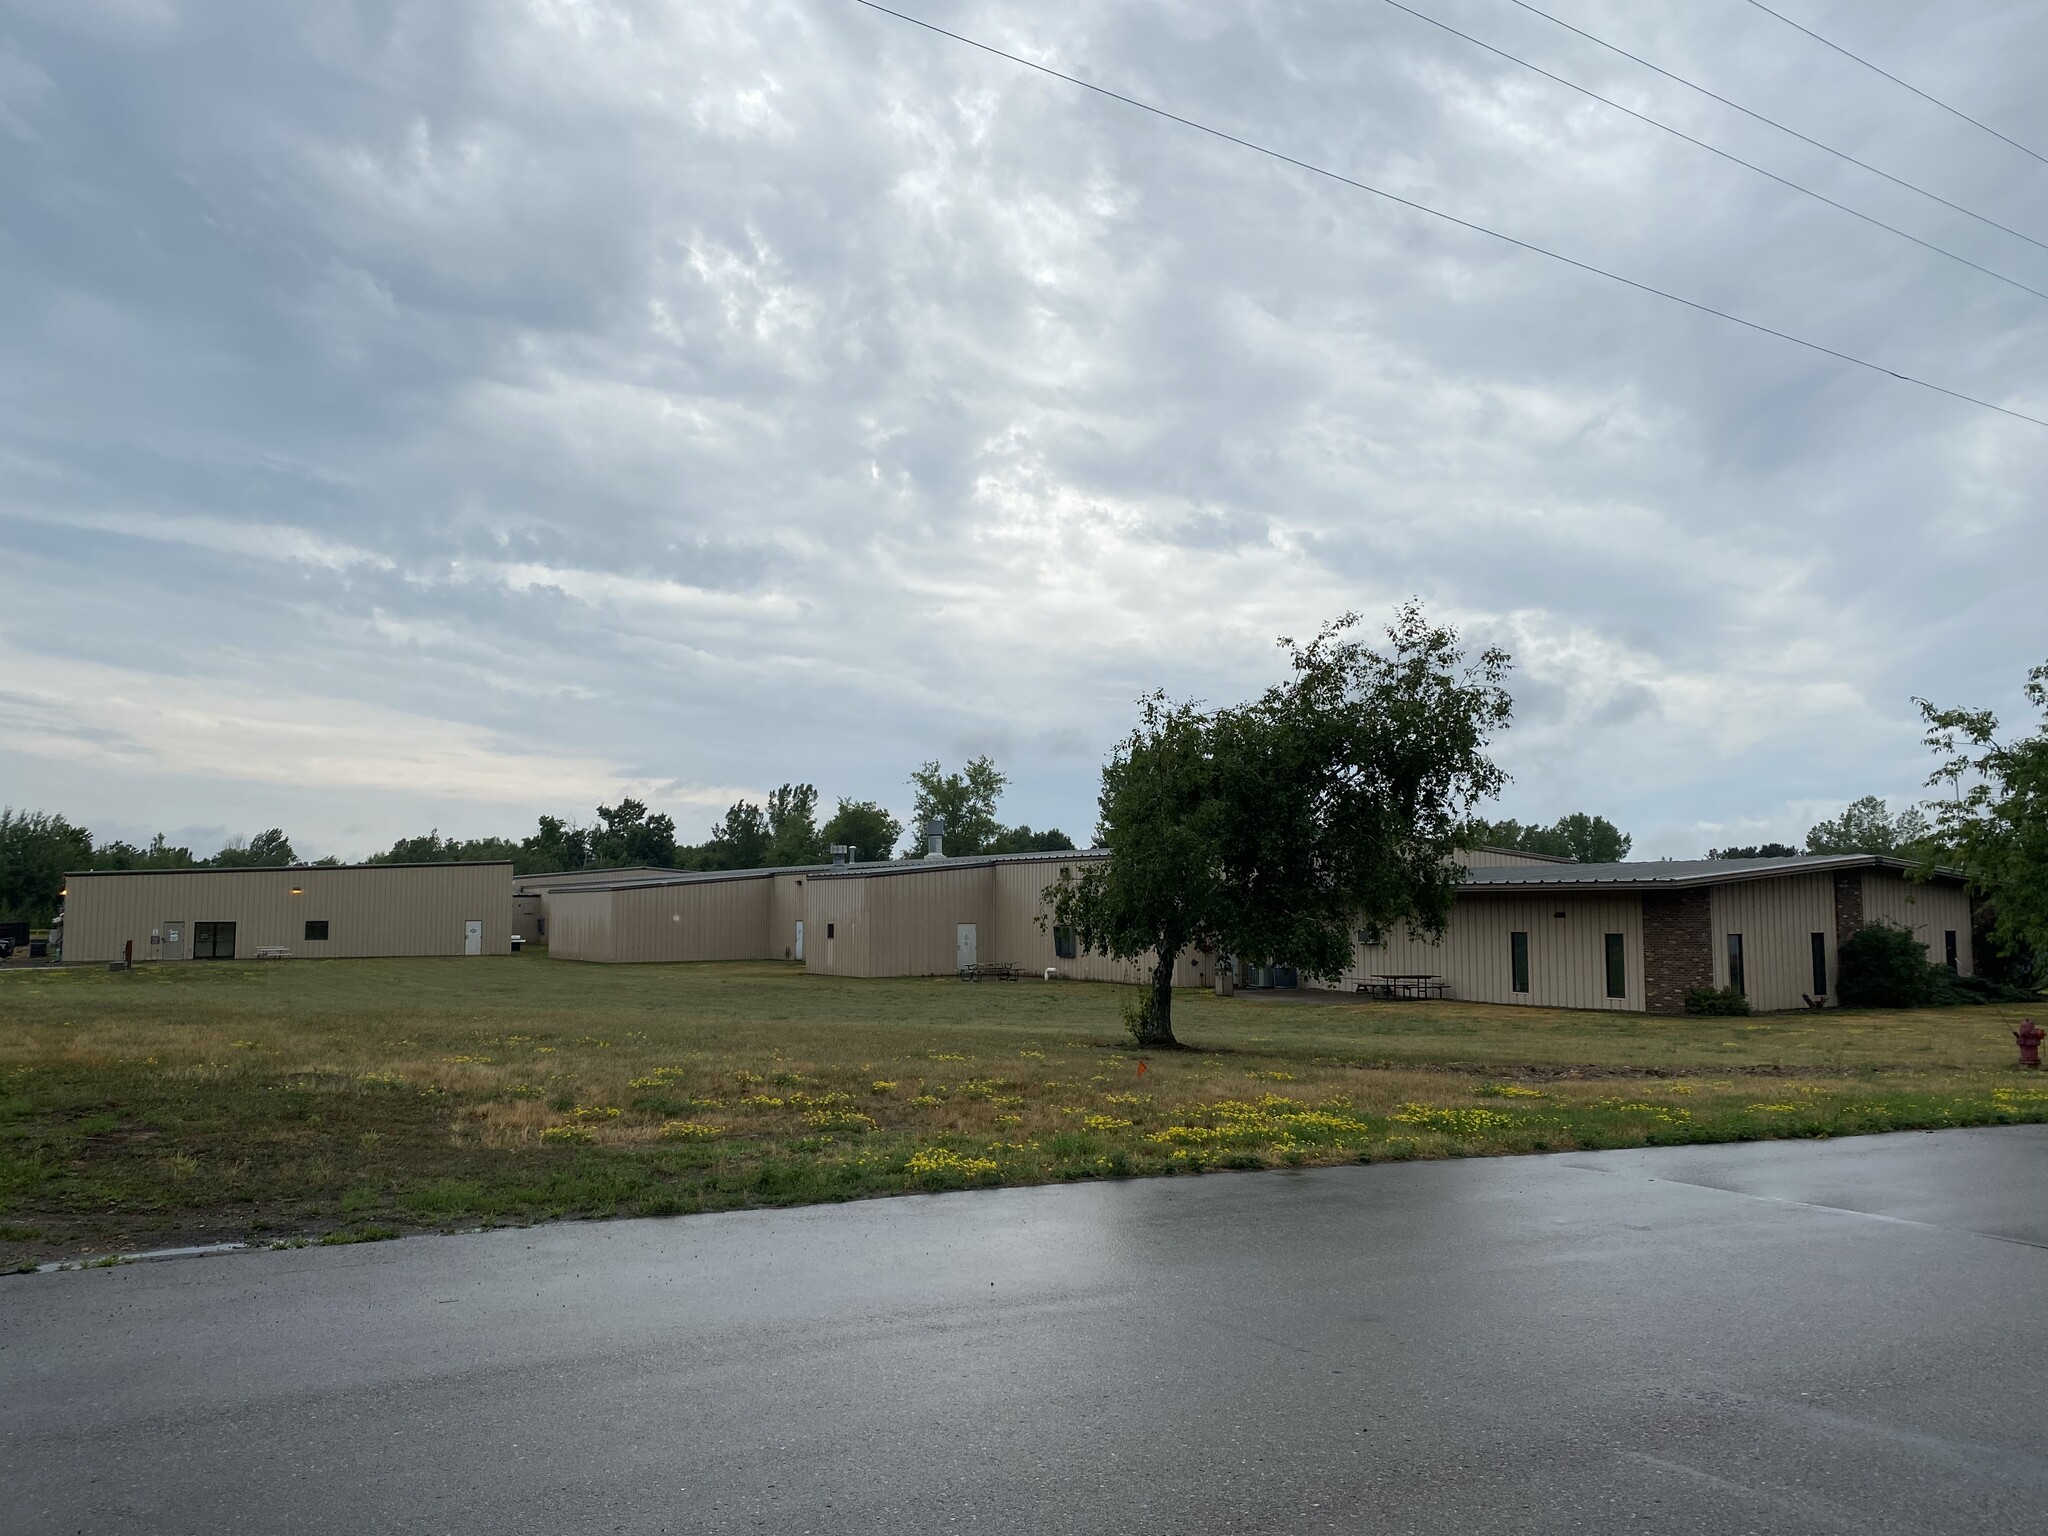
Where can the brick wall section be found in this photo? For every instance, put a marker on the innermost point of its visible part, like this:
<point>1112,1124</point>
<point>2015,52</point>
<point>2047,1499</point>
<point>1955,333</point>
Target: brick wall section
<point>1848,903</point>
<point>1678,948</point>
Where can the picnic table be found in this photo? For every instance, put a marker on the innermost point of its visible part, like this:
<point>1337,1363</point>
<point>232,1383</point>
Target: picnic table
<point>1405,985</point>
<point>994,970</point>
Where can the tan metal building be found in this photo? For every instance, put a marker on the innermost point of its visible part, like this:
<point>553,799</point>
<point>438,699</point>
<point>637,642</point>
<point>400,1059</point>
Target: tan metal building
<point>752,914</point>
<point>1525,928</point>
<point>1639,936</point>
<point>530,893</point>
<point>347,912</point>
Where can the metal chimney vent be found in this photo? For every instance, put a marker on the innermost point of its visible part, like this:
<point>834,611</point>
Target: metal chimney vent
<point>935,838</point>
<point>841,854</point>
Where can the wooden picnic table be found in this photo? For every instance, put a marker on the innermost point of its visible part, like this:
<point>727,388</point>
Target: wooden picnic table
<point>1405,985</point>
<point>994,970</point>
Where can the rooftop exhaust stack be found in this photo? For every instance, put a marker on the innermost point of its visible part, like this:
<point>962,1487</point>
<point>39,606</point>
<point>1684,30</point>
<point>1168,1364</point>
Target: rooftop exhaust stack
<point>935,838</point>
<point>842,853</point>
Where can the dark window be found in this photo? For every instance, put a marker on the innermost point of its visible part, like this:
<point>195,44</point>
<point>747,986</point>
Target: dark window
<point>1372,936</point>
<point>1617,966</point>
<point>1949,945</point>
<point>1518,950</point>
<point>316,928</point>
<point>1820,965</point>
<point>213,941</point>
<point>828,930</point>
<point>1063,943</point>
<point>1735,965</point>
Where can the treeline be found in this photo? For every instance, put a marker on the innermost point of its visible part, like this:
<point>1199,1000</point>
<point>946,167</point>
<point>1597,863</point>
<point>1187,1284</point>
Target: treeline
<point>782,831</point>
<point>37,848</point>
<point>1579,837</point>
<point>1866,826</point>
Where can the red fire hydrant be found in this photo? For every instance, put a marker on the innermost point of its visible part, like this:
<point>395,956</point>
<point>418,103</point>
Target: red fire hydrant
<point>2030,1035</point>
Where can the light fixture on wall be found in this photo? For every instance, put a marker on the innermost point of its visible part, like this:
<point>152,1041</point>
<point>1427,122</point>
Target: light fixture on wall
<point>298,890</point>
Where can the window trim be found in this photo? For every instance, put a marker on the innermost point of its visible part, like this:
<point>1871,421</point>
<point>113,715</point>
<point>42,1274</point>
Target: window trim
<point>1617,965</point>
<point>1738,971</point>
<point>1820,965</point>
<point>1064,945</point>
<point>323,924</point>
<point>1518,963</point>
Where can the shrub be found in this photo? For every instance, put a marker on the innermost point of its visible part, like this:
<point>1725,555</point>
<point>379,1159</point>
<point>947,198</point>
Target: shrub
<point>1716,1001</point>
<point>1884,966</point>
<point>1137,1013</point>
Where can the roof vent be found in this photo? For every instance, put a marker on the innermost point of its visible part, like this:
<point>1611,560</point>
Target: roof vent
<point>935,838</point>
<point>844,853</point>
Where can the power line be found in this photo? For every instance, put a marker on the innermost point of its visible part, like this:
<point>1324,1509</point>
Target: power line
<point>1895,80</point>
<point>1773,122</point>
<point>1712,150</point>
<point>1449,218</point>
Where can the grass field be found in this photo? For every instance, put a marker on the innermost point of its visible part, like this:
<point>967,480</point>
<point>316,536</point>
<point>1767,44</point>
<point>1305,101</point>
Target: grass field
<point>344,1100</point>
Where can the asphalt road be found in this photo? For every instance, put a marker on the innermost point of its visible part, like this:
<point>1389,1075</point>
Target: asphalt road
<point>1790,1337</point>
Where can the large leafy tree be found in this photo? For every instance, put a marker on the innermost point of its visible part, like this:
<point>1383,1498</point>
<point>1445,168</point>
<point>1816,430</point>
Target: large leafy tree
<point>863,826</point>
<point>739,841</point>
<point>1994,820</point>
<point>1273,830</point>
<point>555,845</point>
<point>36,850</point>
<point>1586,839</point>
<point>436,849</point>
<point>269,849</point>
<point>1868,826</point>
<point>965,801</point>
<point>793,836</point>
<point>1755,851</point>
<point>160,854</point>
<point>628,833</point>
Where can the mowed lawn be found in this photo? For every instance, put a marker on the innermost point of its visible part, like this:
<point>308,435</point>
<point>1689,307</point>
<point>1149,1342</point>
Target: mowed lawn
<point>343,1100</point>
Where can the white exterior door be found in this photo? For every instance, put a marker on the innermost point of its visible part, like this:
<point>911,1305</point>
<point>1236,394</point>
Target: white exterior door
<point>799,951</point>
<point>963,945</point>
<point>473,937</point>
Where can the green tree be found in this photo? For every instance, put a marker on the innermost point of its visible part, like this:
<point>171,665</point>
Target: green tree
<point>793,836</point>
<point>435,849</point>
<point>1021,839</point>
<point>269,849</point>
<point>863,826</point>
<point>1994,821</point>
<point>1756,851</point>
<point>965,801</point>
<point>1868,826</point>
<point>555,846</point>
<point>627,833</point>
<point>158,855</point>
<point>740,841</point>
<point>1586,839</point>
<point>37,849</point>
<point>1275,829</point>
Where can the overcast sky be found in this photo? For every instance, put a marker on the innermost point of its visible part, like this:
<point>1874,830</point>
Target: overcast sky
<point>436,414</point>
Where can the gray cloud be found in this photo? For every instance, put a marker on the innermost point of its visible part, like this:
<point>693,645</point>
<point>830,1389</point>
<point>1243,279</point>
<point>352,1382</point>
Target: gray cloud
<point>433,414</point>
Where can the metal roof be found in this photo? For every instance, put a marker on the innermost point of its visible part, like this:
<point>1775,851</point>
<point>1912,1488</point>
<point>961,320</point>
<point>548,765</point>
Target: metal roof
<point>1667,873</point>
<point>283,869</point>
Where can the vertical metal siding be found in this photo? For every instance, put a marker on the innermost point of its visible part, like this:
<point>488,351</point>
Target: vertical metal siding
<point>371,910</point>
<point>1777,919</point>
<point>1928,909</point>
<point>1567,955</point>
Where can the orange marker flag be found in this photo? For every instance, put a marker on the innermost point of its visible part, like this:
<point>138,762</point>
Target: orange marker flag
<point>1141,1069</point>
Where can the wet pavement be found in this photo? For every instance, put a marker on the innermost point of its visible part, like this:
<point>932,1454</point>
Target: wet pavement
<point>1782,1337</point>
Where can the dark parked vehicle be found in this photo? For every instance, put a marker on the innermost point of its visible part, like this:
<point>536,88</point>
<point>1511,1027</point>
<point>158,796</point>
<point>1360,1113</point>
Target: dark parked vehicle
<point>6,949</point>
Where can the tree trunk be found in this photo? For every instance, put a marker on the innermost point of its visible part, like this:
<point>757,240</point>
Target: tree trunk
<point>1159,1027</point>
